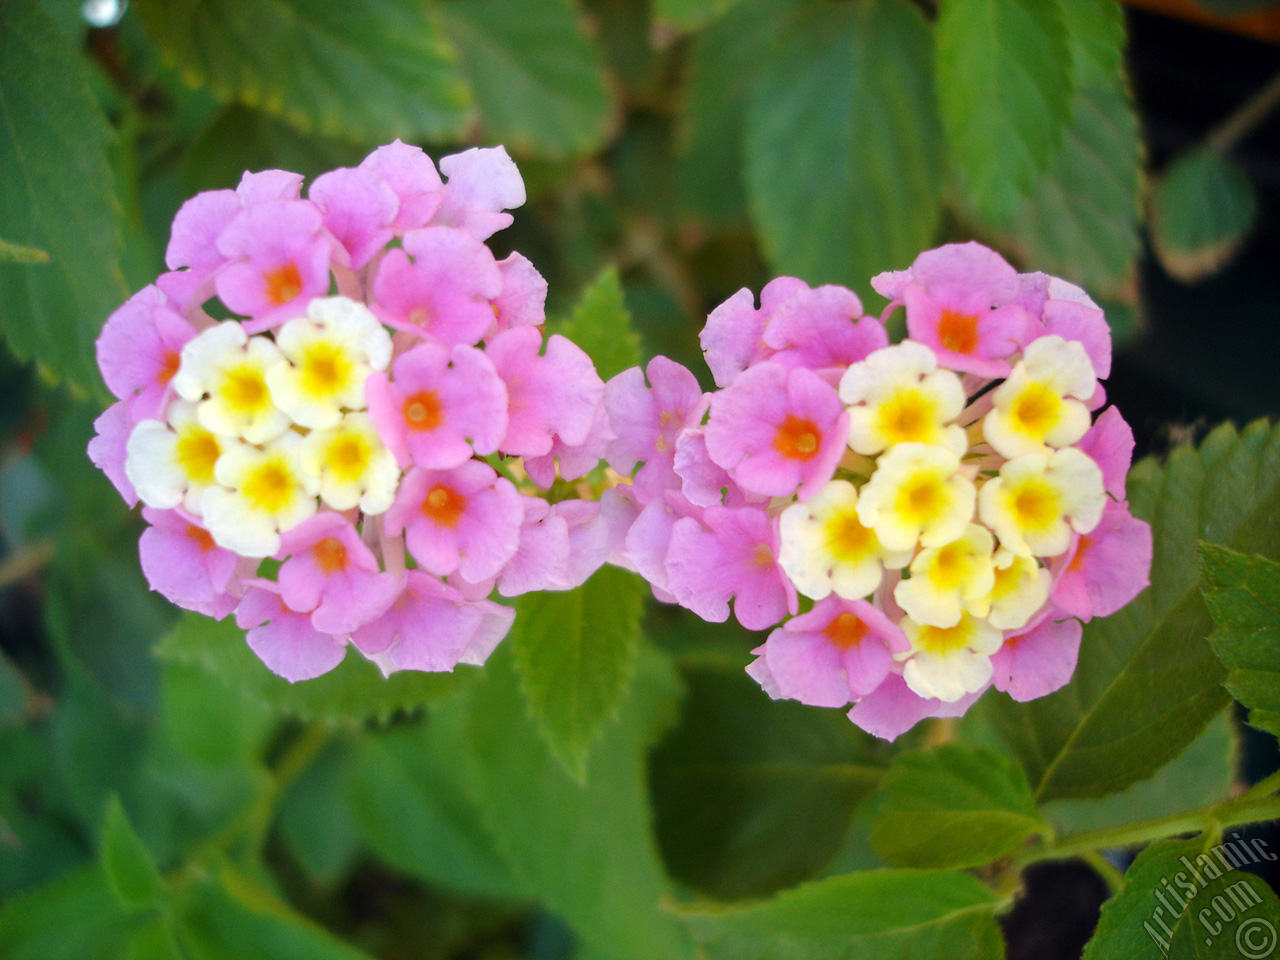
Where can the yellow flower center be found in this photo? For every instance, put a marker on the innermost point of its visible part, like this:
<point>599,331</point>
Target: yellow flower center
<point>326,369</point>
<point>847,538</point>
<point>349,456</point>
<point>1036,504</point>
<point>909,416</point>
<point>244,389</point>
<point>197,452</point>
<point>1036,409</point>
<point>922,498</point>
<point>269,486</point>
<point>945,640</point>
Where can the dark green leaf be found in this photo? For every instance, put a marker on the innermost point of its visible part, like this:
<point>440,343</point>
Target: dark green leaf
<point>752,794</point>
<point>1147,681</point>
<point>130,870</point>
<point>75,918</point>
<point>953,806</point>
<point>1184,900</point>
<point>355,691</point>
<point>538,81</point>
<point>576,652</point>
<point>16,253</point>
<point>412,808</point>
<point>1202,211</point>
<point>317,820</point>
<point>1202,775</point>
<point>842,146</point>
<point>591,857</point>
<point>55,196</point>
<point>1080,220</point>
<point>601,326</point>
<point>372,71</point>
<point>918,914</point>
<point>1243,594</point>
<point>154,940</point>
<point>1004,92</point>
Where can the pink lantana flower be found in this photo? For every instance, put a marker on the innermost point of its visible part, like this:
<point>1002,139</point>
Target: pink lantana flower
<point>332,575</point>
<point>733,337</point>
<point>440,405</point>
<point>960,302</point>
<point>648,420</point>
<point>1109,443</point>
<point>776,429</point>
<point>280,255</point>
<point>359,209</point>
<point>412,177</point>
<point>893,708</point>
<point>286,641</point>
<point>731,553</point>
<point>553,394</point>
<point>465,520</point>
<point>444,291</point>
<point>839,651</point>
<point>482,183</point>
<point>109,448</point>
<point>139,350</point>
<point>523,299</point>
<point>824,330</point>
<point>1040,660</point>
<point>183,564</point>
<point>1106,568</point>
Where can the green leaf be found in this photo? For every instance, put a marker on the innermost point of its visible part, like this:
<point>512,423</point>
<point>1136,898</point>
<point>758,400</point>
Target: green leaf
<point>881,913</point>
<point>129,867</point>
<point>1184,900</point>
<point>371,71</point>
<point>154,940</point>
<point>1201,775</point>
<point>1080,220</point>
<point>355,691</point>
<point>601,326</point>
<point>55,196</point>
<point>1147,681</point>
<point>1004,92</point>
<point>576,652</point>
<point>1203,208</point>
<point>538,81</point>
<point>752,794</point>
<point>723,68</point>
<point>843,169</point>
<point>592,857</point>
<point>74,918</point>
<point>1243,594</point>
<point>16,253</point>
<point>412,808</point>
<point>953,806</point>
<point>316,817</point>
<point>683,16</point>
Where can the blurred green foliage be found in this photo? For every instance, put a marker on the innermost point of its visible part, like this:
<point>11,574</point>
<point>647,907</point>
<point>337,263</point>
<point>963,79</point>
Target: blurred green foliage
<point>162,795</point>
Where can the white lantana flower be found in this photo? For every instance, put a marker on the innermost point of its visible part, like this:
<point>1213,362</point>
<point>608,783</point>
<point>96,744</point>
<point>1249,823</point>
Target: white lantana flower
<point>224,372</point>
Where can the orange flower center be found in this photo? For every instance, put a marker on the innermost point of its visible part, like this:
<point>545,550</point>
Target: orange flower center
<point>845,631</point>
<point>797,439</point>
<point>330,554</point>
<point>201,538</point>
<point>423,411</point>
<point>283,283</point>
<point>444,506</point>
<point>958,332</point>
<point>168,367</point>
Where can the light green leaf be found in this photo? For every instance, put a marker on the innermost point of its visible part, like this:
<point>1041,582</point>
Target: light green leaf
<point>576,652</point>
<point>1004,92</point>
<point>1184,900</point>
<point>154,940</point>
<point>355,691</point>
<point>1147,681</point>
<point>74,918</point>
<point>16,253</point>
<point>1080,220</point>
<point>842,146</point>
<point>723,67</point>
<point>752,794</point>
<point>591,858</point>
<point>1243,594</point>
<point>55,196</point>
<point>921,914</point>
<point>601,326</point>
<point>371,71</point>
<point>411,806</point>
<point>1202,211</point>
<point>686,15</point>
<point>1201,775</point>
<point>953,806</point>
<point>130,870</point>
<point>538,81</point>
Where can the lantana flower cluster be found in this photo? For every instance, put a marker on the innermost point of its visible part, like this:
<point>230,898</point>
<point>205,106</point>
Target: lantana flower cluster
<point>948,509</point>
<point>340,411</point>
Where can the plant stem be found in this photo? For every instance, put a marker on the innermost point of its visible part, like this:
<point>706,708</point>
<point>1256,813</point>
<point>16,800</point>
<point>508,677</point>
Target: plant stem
<point>1112,876</point>
<point>1241,123</point>
<point>1228,813</point>
<point>1263,788</point>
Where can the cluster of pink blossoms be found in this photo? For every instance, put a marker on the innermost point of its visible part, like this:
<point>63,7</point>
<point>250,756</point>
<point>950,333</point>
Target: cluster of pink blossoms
<point>355,454</point>
<point>949,504</point>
